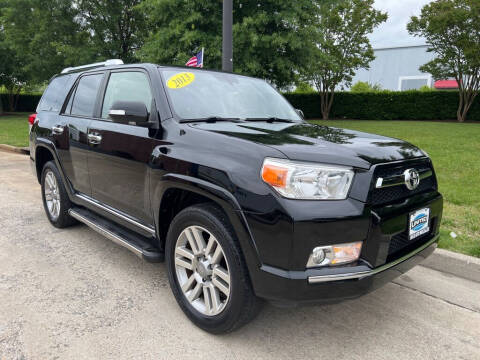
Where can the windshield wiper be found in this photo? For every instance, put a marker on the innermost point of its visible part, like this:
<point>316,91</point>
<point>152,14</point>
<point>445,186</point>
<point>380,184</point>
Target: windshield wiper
<point>211,119</point>
<point>271,120</point>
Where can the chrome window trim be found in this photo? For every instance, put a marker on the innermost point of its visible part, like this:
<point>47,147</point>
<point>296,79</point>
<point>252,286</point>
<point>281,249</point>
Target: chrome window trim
<point>116,213</point>
<point>362,274</point>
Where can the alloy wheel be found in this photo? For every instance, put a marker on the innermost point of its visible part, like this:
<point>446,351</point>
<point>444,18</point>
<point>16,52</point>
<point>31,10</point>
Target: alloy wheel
<point>202,270</point>
<point>52,195</point>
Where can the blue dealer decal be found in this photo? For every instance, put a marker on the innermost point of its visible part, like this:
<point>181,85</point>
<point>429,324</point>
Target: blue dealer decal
<point>419,222</point>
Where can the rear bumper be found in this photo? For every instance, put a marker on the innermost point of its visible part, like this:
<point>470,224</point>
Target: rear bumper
<point>337,284</point>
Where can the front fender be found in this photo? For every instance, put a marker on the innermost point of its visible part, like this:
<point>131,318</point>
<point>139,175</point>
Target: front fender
<point>222,198</point>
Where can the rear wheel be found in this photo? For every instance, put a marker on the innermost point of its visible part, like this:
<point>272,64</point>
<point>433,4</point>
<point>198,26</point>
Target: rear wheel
<point>207,272</point>
<point>55,199</point>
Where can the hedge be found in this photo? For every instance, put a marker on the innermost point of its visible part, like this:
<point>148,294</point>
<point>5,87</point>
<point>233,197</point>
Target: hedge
<point>26,102</point>
<point>386,105</point>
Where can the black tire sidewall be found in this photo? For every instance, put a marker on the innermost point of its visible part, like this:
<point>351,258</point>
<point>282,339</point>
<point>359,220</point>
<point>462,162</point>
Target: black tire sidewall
<point>226,320</point>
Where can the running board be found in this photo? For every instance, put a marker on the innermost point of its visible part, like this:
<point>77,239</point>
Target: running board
<point>119,235</point>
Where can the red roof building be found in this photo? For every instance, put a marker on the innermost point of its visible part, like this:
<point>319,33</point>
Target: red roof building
<point>446,84</point>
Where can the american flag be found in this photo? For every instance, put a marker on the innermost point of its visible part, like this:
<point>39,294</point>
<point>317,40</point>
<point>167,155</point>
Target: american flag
<point>196,61</point>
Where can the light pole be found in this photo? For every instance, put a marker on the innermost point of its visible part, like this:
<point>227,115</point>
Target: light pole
<point>227,44</point>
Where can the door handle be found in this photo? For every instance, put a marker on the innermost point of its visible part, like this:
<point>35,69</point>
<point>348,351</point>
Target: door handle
<point>94,139</point>
<point>57,130</point>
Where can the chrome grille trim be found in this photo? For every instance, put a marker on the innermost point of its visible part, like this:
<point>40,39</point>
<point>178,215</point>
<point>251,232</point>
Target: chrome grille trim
<point>399,179</point>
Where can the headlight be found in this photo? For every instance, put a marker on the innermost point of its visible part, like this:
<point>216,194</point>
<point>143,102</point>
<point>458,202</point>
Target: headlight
<point>298,180</point>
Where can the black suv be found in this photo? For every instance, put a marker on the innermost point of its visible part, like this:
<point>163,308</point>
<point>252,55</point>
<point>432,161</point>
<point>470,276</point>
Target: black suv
<point>217,174</point>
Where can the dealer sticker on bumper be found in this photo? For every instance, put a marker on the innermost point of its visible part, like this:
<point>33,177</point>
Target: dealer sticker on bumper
<point>419,223</point>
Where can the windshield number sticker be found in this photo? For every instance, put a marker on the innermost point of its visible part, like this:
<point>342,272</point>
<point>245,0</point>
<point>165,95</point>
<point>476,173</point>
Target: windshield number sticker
<point>180,80</point>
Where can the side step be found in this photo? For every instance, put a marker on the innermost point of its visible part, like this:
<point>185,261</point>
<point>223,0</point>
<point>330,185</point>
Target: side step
<point>134,242</point>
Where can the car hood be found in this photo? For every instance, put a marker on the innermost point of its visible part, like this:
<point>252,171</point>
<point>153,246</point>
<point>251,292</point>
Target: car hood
<point>309,142</point>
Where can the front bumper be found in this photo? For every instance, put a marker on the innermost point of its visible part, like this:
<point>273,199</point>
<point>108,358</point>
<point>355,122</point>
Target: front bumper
<point>376,227</point>
<point>324,286</point>
<point>370,272</point>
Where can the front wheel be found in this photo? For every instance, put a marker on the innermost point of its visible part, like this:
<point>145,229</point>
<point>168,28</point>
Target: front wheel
<point>207,272</point>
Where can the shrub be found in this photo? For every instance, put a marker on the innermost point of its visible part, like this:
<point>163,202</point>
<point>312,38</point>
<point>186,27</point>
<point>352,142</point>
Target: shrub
<point>426,88</point>
<point>363,86</point>
<point>304,87</point>
<point>26,102</point>
<point>387,105</point>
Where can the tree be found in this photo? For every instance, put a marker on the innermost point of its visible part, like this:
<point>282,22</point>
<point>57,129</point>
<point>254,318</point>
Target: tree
<point>44,37</point>
<point>452,32</point>
<point>12,74</point>
<point>269,35</point>
<point>340,45</point>
<point>117,27</point>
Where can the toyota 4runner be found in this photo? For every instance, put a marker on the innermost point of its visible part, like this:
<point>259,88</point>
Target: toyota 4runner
<point>217,174</point>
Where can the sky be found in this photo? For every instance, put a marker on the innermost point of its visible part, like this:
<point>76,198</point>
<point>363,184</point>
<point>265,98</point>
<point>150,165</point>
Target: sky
<point>394,32</point>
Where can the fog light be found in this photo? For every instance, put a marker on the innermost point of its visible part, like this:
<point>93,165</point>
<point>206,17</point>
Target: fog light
<point>334,254</point>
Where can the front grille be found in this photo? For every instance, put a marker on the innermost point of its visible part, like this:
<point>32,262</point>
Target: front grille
<point>400,244</point>
<point>399,192</point>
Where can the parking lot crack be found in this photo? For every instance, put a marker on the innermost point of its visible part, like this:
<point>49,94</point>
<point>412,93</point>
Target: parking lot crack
<point>436,297</point>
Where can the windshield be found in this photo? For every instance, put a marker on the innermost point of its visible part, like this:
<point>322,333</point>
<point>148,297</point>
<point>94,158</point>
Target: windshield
<point>198,94</point>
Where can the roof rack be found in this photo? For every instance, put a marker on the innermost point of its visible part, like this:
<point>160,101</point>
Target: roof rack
<point>94,65</point>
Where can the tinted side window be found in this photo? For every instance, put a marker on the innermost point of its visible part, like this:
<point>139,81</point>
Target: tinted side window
<point>127,86</point>
<point>86,95</point>
<point>54,95</point>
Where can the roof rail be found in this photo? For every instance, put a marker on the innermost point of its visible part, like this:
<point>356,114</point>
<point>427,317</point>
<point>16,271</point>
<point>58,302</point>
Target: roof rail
<point>94,65</point>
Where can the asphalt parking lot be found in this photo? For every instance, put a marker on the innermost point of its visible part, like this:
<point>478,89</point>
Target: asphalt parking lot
<point>72,294</point>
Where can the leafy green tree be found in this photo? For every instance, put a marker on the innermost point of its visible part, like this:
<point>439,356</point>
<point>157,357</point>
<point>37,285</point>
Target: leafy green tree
<point>269,35</point>
<point>340,44</point>
<point>43,36</point>
<point>452,31</point>
<point>117,27</point>
<point>12,74</point>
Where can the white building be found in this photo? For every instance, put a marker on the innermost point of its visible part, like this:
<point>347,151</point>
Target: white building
<point>398,68</point>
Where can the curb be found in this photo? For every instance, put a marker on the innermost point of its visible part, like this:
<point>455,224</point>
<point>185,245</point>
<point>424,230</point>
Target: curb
<point>18,150</point>
<point>464,266</point>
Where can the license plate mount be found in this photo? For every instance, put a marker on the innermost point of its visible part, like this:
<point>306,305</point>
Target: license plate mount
<point>419,223</point>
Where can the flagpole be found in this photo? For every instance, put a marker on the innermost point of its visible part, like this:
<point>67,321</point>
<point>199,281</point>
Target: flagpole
<point>227,46</point>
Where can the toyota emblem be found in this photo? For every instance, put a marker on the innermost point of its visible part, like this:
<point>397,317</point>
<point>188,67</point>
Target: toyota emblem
<point>412,179</point>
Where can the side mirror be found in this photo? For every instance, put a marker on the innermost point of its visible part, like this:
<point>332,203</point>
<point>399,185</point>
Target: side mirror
<point>129,112</point>
<point>300,112</point>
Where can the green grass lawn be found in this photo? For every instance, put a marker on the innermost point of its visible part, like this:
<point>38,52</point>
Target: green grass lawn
<point>14,129</point>
<point>455,151</point>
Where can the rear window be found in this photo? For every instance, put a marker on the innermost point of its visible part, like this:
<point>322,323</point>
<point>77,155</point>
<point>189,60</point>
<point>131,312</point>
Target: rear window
<point>86,95</point>
<point>55,94</point>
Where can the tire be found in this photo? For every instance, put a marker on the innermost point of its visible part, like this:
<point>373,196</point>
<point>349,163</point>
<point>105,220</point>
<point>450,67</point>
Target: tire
<point>241,305</point>
<point>62,202</point>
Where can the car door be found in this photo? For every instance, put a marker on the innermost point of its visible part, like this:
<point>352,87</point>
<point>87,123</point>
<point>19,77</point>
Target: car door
<point>119,153</point>
<point>71,133</point>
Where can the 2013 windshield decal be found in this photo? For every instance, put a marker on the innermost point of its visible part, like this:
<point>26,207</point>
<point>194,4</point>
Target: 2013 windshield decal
<point>180,80</point>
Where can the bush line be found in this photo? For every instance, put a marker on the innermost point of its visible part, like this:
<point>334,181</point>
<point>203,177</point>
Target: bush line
<point>385,105</point>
